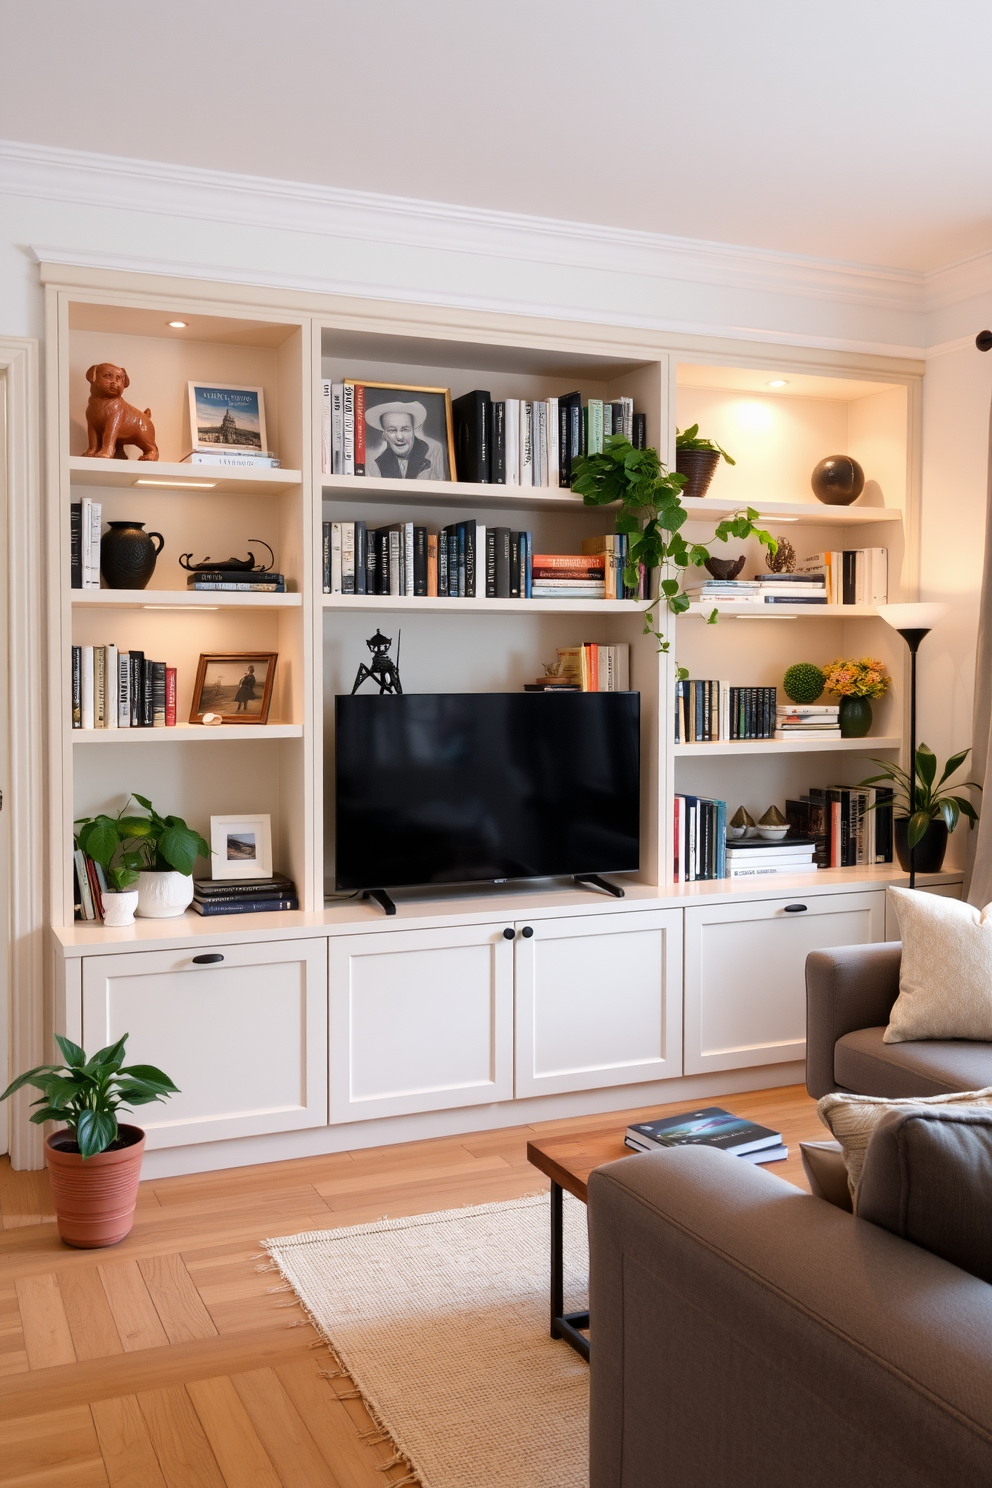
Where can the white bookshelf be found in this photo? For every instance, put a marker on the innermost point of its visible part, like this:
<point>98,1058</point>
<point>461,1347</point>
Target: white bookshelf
<point>732,748</point>
<point>181,599</point>
<point>170,475</point>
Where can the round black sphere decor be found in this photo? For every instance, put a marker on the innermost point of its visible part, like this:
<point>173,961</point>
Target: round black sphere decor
<point>837,481</point>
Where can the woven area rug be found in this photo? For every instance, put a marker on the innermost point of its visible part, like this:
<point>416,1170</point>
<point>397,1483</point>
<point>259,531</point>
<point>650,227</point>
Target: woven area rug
<point>441,1320</point>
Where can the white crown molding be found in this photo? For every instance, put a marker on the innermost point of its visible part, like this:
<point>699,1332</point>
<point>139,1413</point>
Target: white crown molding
<point>353,289</point>
<point>957,282</point>
<point>179,191</point>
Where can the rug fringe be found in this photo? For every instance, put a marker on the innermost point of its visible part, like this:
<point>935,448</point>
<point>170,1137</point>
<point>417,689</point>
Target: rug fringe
<point>397,1460</point>
<point>410,1478</point>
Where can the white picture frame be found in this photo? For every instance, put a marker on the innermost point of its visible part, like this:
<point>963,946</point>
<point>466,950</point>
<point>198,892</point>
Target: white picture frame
<point>211,402</point>
<point>241,846</point>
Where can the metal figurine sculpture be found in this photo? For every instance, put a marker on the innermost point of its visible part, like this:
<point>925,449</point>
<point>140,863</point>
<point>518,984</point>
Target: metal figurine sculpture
<point>383,670</point>
<point>231,565</point>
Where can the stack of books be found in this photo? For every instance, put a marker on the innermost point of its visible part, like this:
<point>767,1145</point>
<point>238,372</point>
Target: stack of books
<point>237,581</point>
<point>807,721</point>
<point>700,838</point>
<point>708,711</point>
<point>569,576</point>
<point>850,825</point>
<point>221,896</point>
<point>793,588</point>
<point>851,576</point>
<point>711,1126</point>
<point>616,548</point>
<point>594,668</point>
<point>121,689</point>
<point>244,458</point>
<point>754,857</point>
<point>85,521</point>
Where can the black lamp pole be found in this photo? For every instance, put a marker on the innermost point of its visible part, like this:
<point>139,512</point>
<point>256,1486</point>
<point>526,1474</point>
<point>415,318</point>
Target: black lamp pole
<point>912,639</point>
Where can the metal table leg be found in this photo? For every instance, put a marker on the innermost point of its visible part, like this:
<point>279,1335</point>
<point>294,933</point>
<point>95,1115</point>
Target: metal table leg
<point>563,1324</point>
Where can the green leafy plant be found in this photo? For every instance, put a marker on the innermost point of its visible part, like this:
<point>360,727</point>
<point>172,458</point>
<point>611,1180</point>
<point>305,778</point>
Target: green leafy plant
<point>87,1093</point>
<point>651,514</point>
<point>689,439</point>
<point>924,800</point>
<point>803,682</point>
<point>140,842</point>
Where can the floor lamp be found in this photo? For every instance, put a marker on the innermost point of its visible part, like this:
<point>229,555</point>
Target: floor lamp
<point>913,622</point>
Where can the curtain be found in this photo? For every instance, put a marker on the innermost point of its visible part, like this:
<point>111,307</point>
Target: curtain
<point>980,886</point>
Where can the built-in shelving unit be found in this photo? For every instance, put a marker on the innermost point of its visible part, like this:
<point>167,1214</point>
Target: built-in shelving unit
<point>166,475</point>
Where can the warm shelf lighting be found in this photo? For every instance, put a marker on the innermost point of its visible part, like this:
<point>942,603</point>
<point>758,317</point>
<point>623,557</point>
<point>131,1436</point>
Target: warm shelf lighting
<point>179,485</point>
<point>177,325</point>
<point>766,617</point>
<point>180,607</point>
<point>779,382</point>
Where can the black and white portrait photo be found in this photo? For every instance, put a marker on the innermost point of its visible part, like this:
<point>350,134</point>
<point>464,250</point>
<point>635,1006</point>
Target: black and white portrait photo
<point>408,433</point>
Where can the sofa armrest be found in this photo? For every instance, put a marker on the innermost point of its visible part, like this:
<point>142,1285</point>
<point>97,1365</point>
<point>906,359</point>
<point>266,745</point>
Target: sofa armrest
<point>748,1335</point>
<point>847,988</point>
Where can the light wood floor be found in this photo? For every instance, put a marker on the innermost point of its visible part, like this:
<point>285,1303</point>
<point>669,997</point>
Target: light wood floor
<point>168,1362</point>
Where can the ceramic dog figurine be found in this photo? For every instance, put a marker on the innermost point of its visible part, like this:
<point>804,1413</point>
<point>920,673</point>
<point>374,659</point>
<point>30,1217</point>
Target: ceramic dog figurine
<point>110,422</point>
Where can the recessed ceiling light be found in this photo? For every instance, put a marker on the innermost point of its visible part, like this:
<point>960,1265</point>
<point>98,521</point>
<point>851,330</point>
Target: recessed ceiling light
<point>779,382</point>
<point>178,325</point>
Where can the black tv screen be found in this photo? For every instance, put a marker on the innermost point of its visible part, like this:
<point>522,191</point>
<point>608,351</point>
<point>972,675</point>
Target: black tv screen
<point>446,788</point>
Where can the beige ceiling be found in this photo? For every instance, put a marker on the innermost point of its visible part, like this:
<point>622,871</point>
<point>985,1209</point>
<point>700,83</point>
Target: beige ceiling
<point>850,129</point>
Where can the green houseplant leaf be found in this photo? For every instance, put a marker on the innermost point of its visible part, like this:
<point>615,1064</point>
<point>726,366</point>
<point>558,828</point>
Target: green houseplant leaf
<point>923,798</point>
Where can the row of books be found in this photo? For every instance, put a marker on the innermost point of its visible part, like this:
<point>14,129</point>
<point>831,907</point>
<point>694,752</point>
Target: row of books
<point>85,522</point>
<point>808,589</point>
<point>222,896</point>
<point>469,560</point>
<point>807,721</point>
<point>88,887</point>
<point>237,581</point>
<point>757,857</point>
<point>594,668</point>
<point>851,575</point>
<point>851,826</point>
<point>121,689</point>
<point>709,711</point>
<point>700,838</point>
<point>711,1126</point>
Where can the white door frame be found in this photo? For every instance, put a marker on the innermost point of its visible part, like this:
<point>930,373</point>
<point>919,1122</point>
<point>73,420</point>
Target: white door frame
<point>23,922</point>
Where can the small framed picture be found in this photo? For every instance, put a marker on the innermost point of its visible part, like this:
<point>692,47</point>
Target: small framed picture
<point>408,431</point>
<point>241,846</point>
<point>236,685</point>
<point>225,417</point>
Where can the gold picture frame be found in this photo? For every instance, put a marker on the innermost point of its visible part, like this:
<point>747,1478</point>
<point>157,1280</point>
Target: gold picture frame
<point>424,450</point>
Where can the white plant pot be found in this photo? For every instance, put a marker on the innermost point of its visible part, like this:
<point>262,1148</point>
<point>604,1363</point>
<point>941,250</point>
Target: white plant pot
<point>118,908</point>
<point>162,896</point>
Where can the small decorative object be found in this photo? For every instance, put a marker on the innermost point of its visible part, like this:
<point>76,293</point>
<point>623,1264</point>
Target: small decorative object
<point>552,678</point>
<point>855,683</point>
<point>783,560</point>
<point>741,824</point>
<point>803,682</point>
<point>223,417</point>
<point>241,846</point>
<point>211,720</point>
<point>934,812</point>
<point>383,669</point>
<point>697,459</point>
<point>230,565</point>
<point>725,568</point>
<point>408,432</point>
<point>773,825</point>
<point>236,685</point>
<point>94,1162</point>
<point>128,555</point>
<point>837,481</point>
<point>110,422</point>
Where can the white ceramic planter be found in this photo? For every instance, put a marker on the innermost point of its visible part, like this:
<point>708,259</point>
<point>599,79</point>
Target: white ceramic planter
<point>118,909</point>
<point>162,896</point>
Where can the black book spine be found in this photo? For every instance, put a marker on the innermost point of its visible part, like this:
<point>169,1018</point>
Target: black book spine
<point>502,537</point>
<point>76,545</point>
<point>471,416</point>
<point>470,559</point>
<point>361,560</point>
<point>420,560</point>
<point>77,687</point>
<point>381,561</point>
<point>490,562</point>
<point>326,557</point>
<point>460,539</point>
<point>157,669</point>
<point>640,439</point>
<point>514,565</point>
<point>497,443</point>
<point>148,695</point>
<point>244,906</point>
<point>850,577</point>
<point>564,443</point>
<point>883,824</point>
<point>137,688</point>
<point>371,564</point>
<point>577,443</point>
<point>442,564</point>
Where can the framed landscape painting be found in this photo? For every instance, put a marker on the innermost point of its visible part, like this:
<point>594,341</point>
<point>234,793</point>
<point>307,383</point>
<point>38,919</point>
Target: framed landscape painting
<point>223,416</point>
<point>237,685</point>
<point>241,846</point>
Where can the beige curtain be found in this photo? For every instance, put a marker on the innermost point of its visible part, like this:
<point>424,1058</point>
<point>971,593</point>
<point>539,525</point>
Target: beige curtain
<point>980,887</point>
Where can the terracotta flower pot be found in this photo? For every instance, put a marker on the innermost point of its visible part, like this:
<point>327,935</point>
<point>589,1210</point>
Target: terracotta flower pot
<point>94,1200</point>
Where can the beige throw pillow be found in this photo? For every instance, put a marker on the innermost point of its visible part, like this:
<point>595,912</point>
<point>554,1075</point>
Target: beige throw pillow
<point>853,1118</point>
<point>945,978</point>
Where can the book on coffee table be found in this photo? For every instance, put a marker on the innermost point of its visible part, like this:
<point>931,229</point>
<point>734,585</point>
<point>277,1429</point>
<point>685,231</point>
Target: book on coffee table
<point>710,1126</point>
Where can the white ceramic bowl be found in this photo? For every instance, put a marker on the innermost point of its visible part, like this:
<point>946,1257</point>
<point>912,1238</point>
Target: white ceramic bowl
<point>772,834</point>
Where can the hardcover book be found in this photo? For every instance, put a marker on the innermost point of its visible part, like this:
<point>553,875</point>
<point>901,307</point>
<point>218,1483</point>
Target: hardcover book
<point>711,1126</point>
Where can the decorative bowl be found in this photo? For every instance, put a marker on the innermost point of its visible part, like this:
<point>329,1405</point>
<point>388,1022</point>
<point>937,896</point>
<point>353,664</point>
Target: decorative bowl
<point>771,834</point>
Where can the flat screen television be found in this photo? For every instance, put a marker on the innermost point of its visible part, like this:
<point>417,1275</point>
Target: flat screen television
<point>455,788</point>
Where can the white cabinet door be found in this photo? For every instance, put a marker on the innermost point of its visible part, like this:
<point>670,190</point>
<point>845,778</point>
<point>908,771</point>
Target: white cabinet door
<point>244,1036</point>
<point>598,1001</point>
<point>420,1020</point>
<point>745,985</point>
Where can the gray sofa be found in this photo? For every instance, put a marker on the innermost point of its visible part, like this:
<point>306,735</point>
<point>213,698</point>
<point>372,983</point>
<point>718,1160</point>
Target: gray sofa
<point>849,994</point>
<point>748,1335</point>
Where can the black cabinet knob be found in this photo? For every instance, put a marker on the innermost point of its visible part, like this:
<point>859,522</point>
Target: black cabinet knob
<point>508,934</point>
<point>527,932</point>
<point>209,959</point>
<point>795,908</point>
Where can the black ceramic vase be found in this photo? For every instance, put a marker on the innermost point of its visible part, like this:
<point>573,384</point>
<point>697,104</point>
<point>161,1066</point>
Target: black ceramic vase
<point>128,554</point>
<point>930,849</point>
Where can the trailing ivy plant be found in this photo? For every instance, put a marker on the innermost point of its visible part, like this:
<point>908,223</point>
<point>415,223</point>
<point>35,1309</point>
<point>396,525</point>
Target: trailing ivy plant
<point>690,439</point>
<point>651,515</point>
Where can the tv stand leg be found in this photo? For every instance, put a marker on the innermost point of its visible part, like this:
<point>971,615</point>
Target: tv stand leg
<point>593,881</point>
<point>382,898</point>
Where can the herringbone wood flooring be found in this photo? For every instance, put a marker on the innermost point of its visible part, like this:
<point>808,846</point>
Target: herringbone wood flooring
<point>168,1362</point>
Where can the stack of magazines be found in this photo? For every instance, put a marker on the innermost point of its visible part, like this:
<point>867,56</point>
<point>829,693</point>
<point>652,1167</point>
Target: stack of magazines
<point>710,1127</point>
<point>220,896</point>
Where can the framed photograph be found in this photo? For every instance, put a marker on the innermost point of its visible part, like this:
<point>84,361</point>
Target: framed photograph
<point>223,416</point>
<point>408,431</point>
<point>235,684</point>
<point>241,847</point>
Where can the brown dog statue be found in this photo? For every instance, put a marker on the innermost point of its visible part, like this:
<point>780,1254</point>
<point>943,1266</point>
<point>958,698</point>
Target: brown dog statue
<point>110,422</point>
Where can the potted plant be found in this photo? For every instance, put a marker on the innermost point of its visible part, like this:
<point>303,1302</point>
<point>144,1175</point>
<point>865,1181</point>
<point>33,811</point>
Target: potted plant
<point>697,459</point>
<point>651,514</point>
<point>100,838</point>
<point>159,851</point>
<point>925,821</point>
<point>855,683</point>
<point>94,1162</point>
